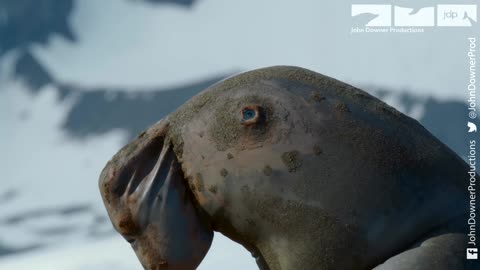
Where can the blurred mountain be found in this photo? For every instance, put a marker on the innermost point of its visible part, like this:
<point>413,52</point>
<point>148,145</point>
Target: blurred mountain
<point>24,22</point>
<point>99,111</point>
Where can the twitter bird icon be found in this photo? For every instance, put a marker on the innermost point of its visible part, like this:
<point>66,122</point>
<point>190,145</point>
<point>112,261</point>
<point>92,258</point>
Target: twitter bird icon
<point>471,127</point>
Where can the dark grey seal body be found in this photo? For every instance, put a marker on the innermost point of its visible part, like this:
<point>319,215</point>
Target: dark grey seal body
<point>303,170</point>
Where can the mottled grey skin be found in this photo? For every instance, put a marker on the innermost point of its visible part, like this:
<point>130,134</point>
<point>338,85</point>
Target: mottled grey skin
<point>326,177</point>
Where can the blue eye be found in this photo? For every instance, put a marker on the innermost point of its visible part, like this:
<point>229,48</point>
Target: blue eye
<point>249,114</point>
<point>252,115</point>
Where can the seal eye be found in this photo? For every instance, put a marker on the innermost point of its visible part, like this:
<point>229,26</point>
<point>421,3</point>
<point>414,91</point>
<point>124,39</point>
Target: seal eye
<point>251,115</point>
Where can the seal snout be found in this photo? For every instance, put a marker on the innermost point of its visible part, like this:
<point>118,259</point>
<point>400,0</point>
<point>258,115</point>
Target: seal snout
<point>149,203</point>
<point>127,174</point>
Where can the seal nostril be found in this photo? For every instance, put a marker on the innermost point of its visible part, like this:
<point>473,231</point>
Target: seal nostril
<point>143,164</point>
<point>124,173</point>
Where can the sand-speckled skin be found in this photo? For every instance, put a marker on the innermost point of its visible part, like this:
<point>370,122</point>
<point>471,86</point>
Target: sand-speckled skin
<point>327,177</point>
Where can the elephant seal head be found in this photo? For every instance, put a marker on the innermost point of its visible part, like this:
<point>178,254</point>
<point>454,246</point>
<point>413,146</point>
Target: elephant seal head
<point>304,171</point>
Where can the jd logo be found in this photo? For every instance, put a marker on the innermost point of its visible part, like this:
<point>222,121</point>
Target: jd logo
<point>447,15</point>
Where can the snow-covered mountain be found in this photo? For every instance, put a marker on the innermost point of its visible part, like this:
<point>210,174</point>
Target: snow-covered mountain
<point>78,79</point>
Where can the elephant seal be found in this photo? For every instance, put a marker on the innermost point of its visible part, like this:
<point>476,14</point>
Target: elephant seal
<point>304,171</point>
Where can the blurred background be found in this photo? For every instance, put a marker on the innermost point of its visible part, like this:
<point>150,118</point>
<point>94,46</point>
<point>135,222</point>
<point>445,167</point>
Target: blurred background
<point>79,79</point>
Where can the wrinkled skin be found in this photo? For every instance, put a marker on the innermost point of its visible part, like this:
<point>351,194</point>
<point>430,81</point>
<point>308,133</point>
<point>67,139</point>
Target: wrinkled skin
<point>320,176</point>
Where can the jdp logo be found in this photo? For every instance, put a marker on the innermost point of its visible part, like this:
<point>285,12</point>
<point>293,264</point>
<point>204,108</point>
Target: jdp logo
<point>456,15</point>
<point>447,15</point>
